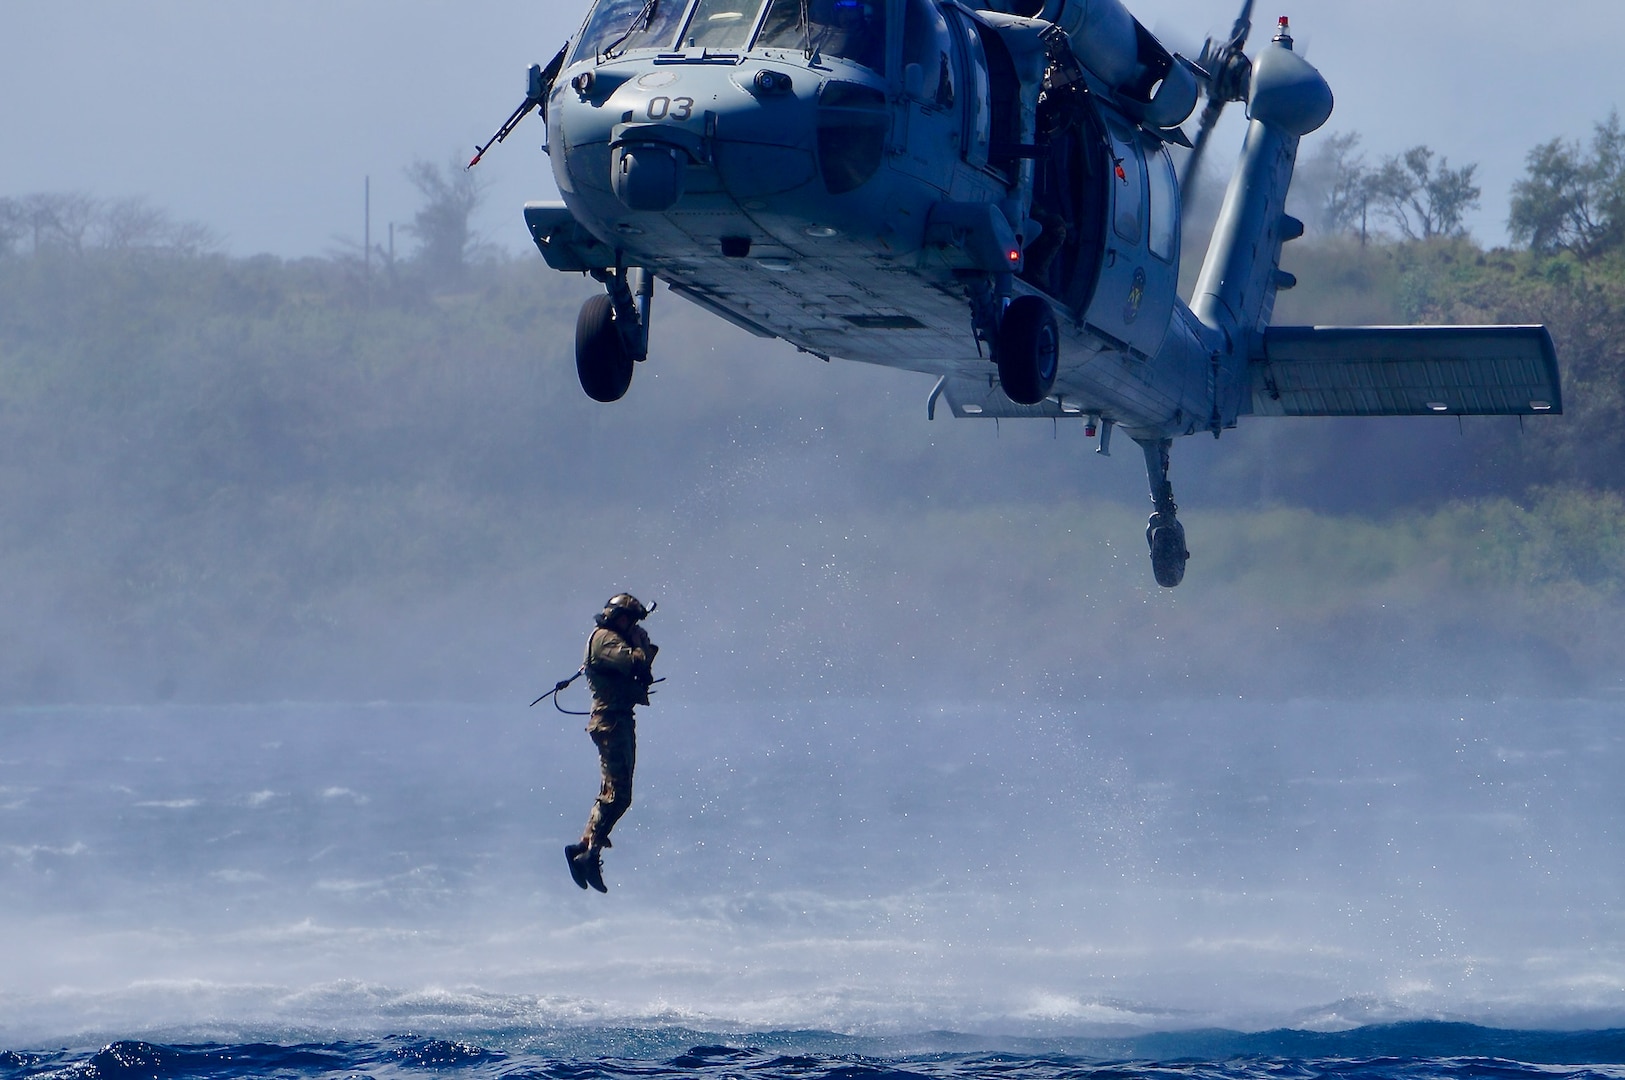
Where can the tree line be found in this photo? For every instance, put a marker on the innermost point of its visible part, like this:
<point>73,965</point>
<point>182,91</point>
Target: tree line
<point>77,222</point>
<point>234,476</point>
<point>1415,263</point>
<point>1571,197</point>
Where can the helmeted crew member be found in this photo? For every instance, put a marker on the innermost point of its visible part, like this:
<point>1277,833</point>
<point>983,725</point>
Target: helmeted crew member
<point>619,670</point>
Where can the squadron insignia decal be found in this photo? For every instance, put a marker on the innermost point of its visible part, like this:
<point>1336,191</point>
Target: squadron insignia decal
<point>1136,293</point>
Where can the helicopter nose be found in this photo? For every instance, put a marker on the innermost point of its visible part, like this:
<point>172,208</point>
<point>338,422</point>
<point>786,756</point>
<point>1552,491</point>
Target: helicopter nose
<point>648,175</point>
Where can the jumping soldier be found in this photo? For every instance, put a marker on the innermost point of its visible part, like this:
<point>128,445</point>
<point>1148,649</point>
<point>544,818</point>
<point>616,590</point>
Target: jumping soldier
<point>619,670</point>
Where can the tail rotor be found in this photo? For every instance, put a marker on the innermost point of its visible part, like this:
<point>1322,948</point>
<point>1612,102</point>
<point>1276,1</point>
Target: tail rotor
<point>1224,72</point>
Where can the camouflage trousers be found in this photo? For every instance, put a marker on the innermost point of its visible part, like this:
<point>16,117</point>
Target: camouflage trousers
<point>615,734</point>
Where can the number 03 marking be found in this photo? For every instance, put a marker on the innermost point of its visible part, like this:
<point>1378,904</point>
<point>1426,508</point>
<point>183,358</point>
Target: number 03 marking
<point>677,108</point>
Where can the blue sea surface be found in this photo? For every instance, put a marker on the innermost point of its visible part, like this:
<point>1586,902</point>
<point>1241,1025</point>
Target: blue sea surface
<point>1420,1051</point>
<point>291,884</point>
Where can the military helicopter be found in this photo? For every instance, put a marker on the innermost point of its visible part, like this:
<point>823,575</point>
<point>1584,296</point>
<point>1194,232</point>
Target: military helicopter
<point>979,189</point>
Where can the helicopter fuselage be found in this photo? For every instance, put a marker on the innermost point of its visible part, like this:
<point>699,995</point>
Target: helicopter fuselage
<point>804,195</point>
<point>983,193</point>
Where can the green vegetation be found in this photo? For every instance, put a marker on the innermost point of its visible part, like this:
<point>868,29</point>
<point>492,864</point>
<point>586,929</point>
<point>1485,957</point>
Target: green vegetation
<point>230,478</point>
<point>1456,281</point>
<point>1574,200</point>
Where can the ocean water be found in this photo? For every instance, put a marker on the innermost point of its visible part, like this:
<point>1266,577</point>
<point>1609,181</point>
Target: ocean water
<point>832,887</point>
<point>785,1056</point>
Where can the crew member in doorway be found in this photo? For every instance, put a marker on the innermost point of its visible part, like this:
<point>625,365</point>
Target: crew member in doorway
<point>619,668</point>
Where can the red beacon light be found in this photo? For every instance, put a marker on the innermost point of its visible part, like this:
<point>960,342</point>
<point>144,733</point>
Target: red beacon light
<point>1283,33</point>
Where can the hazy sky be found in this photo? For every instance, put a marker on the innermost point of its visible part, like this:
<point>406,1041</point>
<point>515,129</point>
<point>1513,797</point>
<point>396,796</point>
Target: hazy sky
<point>262,119</point>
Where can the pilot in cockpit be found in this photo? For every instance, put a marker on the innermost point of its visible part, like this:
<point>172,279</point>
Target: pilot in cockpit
<point>849,28</point>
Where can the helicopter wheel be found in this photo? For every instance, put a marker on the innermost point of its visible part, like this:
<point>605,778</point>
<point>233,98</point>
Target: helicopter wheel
<point>603,362</point>
<point>1168,554</point>
<point>1028,350</point>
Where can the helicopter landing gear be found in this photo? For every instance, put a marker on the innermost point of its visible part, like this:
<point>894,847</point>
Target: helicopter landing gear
<point>1163,533</point>
<point>1027,350</point>
<point>612,335</point>
<point>603,363</point>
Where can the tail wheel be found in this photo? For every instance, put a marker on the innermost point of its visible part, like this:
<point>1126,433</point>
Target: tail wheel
<point>603,362</point>
<point>1028,350</point>
<point>1168,554</point>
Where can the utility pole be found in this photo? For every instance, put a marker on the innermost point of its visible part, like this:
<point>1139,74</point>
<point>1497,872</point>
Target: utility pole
<point>366,229</point>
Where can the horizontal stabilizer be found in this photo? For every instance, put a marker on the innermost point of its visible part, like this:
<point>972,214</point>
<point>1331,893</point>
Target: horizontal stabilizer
<point>1405,371</point>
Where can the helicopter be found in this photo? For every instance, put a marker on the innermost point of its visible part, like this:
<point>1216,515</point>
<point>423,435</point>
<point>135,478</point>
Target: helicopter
<point>981,190</point>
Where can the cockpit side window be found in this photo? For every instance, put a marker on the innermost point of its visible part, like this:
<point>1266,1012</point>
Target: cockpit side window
<point>1164,203</point>
<point>851,29</point>
<point>926,43</point>
<point>782,27</point>
<point>1127,180</point>
<point>976,95</point>
<point>722,24</point>
<point>1004,100</point>
<point>629,24</point>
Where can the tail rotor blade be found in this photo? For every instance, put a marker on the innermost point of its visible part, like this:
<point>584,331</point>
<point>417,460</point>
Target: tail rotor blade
<point>1228,72</point>
<point>1193,161</point>
<point>1242,27</point>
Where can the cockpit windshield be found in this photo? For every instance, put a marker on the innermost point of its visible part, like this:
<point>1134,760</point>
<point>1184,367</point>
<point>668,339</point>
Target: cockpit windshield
<point>618,25</point>
<point>852,29</point>
<point>722,24</point>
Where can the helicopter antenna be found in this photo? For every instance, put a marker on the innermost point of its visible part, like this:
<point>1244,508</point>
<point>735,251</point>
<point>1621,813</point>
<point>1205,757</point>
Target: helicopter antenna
<point>1224,71</point>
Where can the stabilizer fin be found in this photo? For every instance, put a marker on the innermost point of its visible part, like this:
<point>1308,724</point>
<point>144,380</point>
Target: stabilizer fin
<point>1405,371</point>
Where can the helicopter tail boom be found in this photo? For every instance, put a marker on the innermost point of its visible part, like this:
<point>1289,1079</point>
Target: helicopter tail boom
<point>1286,99</point>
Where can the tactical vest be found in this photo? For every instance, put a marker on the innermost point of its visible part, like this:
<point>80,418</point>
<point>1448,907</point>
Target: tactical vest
<point>615,685</point>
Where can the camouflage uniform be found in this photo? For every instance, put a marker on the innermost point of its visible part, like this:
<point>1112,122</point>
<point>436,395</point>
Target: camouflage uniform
<point>618,670</point>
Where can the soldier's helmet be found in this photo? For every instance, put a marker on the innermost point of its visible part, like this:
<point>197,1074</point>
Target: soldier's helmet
<point>624,602</point>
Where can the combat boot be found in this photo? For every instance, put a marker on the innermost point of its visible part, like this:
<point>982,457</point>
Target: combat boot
<point>592,867</point>
<point>575,856</point>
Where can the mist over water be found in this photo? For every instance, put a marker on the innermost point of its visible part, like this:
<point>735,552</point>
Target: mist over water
<point>935,753</point>
<point>840,864</point>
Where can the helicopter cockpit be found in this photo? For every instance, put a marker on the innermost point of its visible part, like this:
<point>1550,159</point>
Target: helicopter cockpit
<point>853,30</point>
<point>616,26</point>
